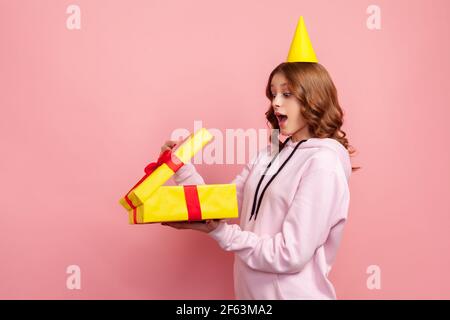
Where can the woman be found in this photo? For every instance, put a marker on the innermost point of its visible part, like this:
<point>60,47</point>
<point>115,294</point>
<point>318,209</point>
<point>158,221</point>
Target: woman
<point>293,204</point>
<point>288,238</point>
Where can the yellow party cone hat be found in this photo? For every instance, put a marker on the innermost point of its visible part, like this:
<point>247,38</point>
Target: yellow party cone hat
<point>301,49</point>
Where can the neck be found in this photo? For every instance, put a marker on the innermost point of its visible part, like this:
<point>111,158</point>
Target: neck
<point>301,134</point>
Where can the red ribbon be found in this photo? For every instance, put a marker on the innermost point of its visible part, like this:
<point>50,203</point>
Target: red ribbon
<point>171,160</point>
<point>192,203</point>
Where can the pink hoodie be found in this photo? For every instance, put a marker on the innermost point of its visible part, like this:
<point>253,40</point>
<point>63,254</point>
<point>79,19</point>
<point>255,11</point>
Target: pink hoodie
<point>288,251</point>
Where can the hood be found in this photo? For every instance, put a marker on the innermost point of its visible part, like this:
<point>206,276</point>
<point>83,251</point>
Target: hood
<point>329,143</point>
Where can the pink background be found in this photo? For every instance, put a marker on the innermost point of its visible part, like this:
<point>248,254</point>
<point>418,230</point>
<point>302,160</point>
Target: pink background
<point>83,111</point>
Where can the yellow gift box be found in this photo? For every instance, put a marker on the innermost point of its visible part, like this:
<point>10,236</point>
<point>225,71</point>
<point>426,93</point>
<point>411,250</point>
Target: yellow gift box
<point>159,172</point>
<point>187,203</point>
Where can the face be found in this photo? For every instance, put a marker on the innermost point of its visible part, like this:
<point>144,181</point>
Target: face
<point>287,109</point>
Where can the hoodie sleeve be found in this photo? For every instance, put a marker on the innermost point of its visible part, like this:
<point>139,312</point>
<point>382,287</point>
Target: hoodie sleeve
<point>306,227</point>
<point>187,175</point>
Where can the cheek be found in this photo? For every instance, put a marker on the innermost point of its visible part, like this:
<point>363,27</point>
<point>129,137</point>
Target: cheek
<point>294,114</point>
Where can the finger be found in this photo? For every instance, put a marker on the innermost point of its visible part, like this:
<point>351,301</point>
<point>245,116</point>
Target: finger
<point>176,225</point>
<point>186,225</point>
<point>164,148</point>
<point>170,143</point>
<point>172,226</point>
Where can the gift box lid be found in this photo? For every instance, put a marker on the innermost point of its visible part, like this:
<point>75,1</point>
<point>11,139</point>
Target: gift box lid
<point>157,173</point>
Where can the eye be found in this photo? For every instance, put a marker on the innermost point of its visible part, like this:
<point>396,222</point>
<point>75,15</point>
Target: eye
<point>286,94</point>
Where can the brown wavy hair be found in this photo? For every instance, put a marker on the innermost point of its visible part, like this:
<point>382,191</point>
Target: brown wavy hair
<point>311,84</point>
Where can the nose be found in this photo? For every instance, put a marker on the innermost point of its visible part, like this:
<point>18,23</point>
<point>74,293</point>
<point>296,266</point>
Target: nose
<point>276,102</point>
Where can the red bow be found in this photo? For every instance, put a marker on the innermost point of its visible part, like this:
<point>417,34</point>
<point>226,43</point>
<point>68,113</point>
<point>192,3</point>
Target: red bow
<point>166,157</point>
<point>171,160</point>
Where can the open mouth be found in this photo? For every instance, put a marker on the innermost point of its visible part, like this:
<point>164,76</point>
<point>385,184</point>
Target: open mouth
<point>282,118</point>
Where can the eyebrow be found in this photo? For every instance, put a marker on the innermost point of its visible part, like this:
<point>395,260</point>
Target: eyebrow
<point>281,85</point>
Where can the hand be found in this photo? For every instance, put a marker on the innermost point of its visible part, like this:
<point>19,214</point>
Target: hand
<point>203,226</point>
<point>169,145</point>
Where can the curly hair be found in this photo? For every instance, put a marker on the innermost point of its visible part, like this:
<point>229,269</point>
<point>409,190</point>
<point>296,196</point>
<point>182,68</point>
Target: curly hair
<point>311,84</point>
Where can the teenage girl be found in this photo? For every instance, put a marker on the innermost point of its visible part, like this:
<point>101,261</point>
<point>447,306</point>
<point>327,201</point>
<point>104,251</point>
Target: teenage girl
<point>293,205</point>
